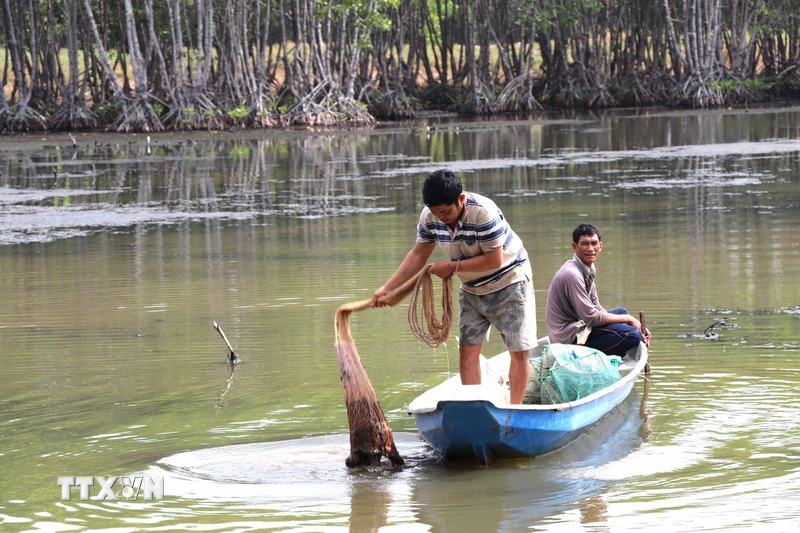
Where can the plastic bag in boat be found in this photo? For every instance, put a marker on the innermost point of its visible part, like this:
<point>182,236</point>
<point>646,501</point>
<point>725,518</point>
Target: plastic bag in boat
<point>493,383</point>
<point>569,372</point>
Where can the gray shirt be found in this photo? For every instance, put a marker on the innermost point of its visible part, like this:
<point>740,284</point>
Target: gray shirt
<point>570,306</point>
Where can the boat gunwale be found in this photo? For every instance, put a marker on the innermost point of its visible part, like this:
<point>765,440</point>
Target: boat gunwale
<point>564,406</point>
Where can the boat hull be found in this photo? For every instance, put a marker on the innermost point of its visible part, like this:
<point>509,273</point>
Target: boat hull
<point>481,431</point>
<point>465,423</point>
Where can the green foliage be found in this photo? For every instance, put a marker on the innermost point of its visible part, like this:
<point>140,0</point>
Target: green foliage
<point>436,27</point>
<point>592,6</point>
<point>449,13</point>
<point>106,111</point>
<point>286,104</point>
<point>771,21</point>
<point>523,12</point>
<point>378,21</point>
<point>755,84</point>
<point>238,113</point>
<point>566,15</point>
<point>360,15</point>
<point>190,120</point>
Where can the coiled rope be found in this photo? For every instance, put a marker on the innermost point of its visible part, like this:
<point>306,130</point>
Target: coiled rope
<point>438,330</point>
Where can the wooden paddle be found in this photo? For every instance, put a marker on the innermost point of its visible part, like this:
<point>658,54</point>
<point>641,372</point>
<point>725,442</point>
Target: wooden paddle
<point>232,358</point>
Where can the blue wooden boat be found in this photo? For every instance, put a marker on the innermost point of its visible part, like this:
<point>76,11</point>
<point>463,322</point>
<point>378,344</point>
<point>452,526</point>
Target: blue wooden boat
<point>476,422</point>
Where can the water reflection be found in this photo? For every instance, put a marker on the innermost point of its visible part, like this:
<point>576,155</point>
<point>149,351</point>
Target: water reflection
<point>516,495</point>
<point>121,259</point>
<point>57,191</point>
<point>369,509</point>
<point>594,510</point>
<point>228,383</point>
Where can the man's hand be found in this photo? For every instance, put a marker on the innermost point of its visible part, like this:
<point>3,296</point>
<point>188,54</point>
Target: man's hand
<point>633,322</point>
<point>379,298</point>
<point>414,261</point>
<point>638,325</point>
<point>443,268</point>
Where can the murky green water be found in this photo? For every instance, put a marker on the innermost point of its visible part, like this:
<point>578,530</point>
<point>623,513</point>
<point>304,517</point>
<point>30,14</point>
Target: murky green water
<point>116,257</point>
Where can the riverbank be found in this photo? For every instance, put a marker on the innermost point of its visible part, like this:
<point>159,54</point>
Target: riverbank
<point>428,123</point>
<point>367,119</point>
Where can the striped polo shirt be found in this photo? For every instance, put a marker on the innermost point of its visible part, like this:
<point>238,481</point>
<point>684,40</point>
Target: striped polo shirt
<point>481,228</point>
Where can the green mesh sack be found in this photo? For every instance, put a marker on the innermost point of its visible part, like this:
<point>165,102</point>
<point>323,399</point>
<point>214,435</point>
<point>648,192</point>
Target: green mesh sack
<point>569,372</point>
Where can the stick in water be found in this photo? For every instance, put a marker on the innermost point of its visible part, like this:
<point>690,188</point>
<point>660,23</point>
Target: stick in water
<point>232,358</point>
<point>647,343</point>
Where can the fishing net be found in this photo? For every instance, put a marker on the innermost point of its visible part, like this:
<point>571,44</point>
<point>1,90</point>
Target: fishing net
<point>569,372</point>
<point>370,435</point>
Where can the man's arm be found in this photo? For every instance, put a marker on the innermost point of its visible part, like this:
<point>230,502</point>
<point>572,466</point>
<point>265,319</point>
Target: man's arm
<point>609,318</point>
<point>591,314</point>
<point>414,261</point>
<point>486,262</point>
<point>595,316</point>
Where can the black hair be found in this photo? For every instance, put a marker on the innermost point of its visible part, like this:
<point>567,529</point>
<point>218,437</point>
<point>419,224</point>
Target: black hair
<point>441,187</point>
<point>586,229</point>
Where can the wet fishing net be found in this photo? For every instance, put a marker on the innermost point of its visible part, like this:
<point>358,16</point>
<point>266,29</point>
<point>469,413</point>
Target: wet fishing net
<point>569,372</point>
<point>370,435</point>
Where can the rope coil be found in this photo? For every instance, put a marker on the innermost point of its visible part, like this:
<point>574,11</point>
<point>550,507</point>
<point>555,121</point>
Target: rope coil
<point>437,330</point>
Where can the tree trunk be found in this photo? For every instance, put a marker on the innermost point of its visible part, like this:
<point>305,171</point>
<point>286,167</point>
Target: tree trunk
<point>73,113</point>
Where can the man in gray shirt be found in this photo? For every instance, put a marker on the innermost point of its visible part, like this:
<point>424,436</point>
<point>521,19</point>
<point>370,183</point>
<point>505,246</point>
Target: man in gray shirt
<point>573,312</point>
